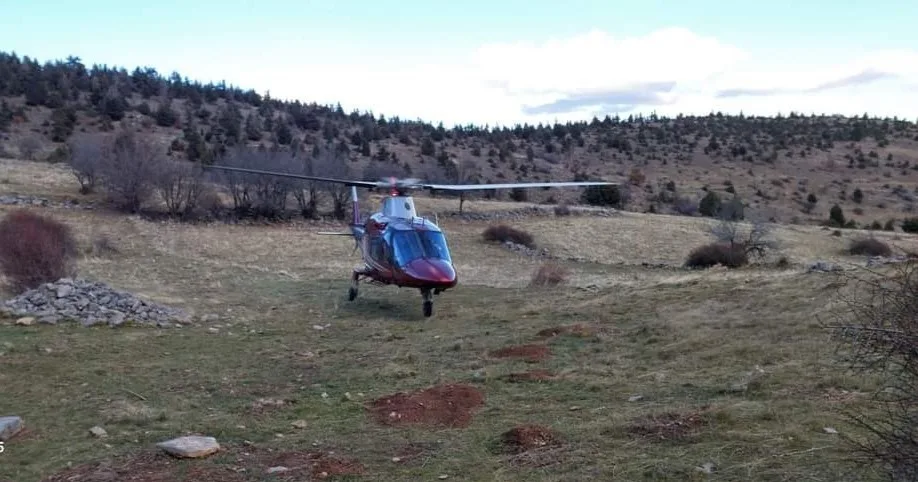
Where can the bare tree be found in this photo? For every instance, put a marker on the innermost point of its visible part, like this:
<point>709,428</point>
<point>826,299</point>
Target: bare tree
<point>87,154</point>
<point>259,194</point>
<point>331,162</point>
<point>29,146</point>
<point>878,333</point>
<point>128,172</point>
<point>180,185</point>
<point>306,192</point>
<point>750,237</point>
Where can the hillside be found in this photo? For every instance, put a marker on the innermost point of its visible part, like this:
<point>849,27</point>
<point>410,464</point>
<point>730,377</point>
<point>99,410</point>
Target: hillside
<point>790,168</point>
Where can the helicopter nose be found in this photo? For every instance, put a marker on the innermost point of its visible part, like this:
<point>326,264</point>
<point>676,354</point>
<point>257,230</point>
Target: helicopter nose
<point>432,271</point>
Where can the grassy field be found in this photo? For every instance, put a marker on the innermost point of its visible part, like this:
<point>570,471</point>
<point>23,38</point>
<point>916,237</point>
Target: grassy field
<point>661,374</point>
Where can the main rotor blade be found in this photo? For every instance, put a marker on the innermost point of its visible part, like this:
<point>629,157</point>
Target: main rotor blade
<point>346,182</point>
<point>473,187</point>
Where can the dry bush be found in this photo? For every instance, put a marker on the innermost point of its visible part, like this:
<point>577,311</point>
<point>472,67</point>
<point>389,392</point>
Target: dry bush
<point>86,155</point>
<point>180,184</point>
<point>504,233</point>
<point>549,274</point>
<point>878,333</point>
<point>35,249</point>
<point>869,247</point>
<point>724,254</point>
<point>562,210</point>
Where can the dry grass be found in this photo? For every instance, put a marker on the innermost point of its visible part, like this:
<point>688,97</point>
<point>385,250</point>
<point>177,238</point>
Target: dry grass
<point>743,343</point>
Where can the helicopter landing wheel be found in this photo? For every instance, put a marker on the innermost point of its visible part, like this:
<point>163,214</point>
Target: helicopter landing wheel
<point>352,291</point>
<point>428,302</point>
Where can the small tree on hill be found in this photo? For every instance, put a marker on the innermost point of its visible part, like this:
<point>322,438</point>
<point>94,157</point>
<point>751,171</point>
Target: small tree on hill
<point>710,205</point>
<point>613,195</point>
<point>836,216</point>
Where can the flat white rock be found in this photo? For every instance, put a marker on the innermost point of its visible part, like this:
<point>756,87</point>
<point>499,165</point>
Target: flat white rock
<point>9,426</point>
<point>191,446</point>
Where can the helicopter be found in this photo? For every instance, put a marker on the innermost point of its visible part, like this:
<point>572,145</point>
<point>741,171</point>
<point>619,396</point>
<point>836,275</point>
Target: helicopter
<point>397,246</point>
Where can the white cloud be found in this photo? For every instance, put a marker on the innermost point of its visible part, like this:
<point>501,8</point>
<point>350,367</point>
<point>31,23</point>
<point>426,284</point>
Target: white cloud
<point>670,70</point>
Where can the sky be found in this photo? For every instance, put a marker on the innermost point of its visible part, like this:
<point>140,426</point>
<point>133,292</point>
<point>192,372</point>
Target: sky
<point>506,62</point>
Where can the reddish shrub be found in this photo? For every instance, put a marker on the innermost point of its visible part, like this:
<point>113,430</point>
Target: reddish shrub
<point>549,274</point>
<point>35,249</point>
<point>728,255</point>
<point>870,247</point>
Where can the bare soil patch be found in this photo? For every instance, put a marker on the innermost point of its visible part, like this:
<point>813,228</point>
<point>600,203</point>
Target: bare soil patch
<point>531,352</point>
<point>530,376</point>
<point>668,426</point>
<point>578,329</point>
<point>319,464</point>
<point>449,405</point>
<point>147,467</point>
<point>524,438</point>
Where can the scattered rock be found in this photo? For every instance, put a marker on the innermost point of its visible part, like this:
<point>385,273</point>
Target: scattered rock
<point>26,321</point>
<point>9,427</point>
<point>192,446</point>
<point>525,212</point>
<point>528,437</point>
<point>748,379</point>
<point>320,464</point>
<point>277,470</point>
<point>89,303</point>
<point>530,376</point>
<point>706,468</point>
<point>578,330</point>
<point>526,250</point>
<point>874,261</point>
<point>668,426</point>
<point>635,398</point>
<point>301,424</point>
<point>98,431</point>
<point>830,430</point>
<point>265,404</point>
<point>530,353</point>
<point>824,267</point>
<point>443,406</point>
<point>20,200</point>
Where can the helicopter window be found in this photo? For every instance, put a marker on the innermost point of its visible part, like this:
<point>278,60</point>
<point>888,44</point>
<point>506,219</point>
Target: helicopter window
<point>411,245</point>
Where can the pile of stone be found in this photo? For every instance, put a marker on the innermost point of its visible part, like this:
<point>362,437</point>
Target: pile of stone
<point>88,303</point>
<point>20,200</point>
<point>874,261</point>
<point>526,250</point>
<point>522,213</point>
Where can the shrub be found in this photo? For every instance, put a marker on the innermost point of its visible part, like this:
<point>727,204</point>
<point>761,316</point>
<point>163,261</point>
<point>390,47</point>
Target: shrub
<point>562,210</point>
<point>878,334</point>
<point>869,247</point>
<point>725,254</point>
<point>549,274</point>
<point>504,233</point>
<point>35,249</point>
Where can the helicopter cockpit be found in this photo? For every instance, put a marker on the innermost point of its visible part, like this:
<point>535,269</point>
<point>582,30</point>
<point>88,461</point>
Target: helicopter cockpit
<point>409,245</point>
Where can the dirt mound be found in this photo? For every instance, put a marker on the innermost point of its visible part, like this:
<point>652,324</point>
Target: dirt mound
<point>530,376</point>
<point>532,353</point>
<point>668,426</point>
<point>444,405</point>
<point>528,437</point>
<point>578,329</point>
<point>147,467</point>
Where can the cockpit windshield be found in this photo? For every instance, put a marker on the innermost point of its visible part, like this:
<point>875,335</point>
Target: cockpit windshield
<point>411,245</point>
